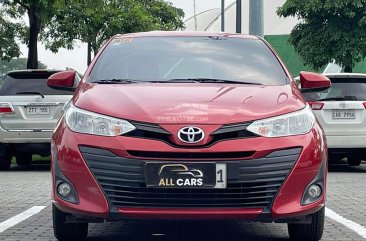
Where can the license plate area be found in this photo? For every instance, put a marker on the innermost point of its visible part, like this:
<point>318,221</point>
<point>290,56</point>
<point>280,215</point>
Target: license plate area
<point>38,110</point>
<point>185,175</point>
<point>343,114</point>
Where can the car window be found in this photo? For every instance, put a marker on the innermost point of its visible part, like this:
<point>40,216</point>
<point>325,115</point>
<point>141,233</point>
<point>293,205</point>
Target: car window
<point>28,82</point>
<point>343,88</point>
<point>164,58</point>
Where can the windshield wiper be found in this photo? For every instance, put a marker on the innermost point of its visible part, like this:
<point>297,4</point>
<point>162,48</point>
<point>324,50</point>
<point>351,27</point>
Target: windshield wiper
<point>30,93</point>
<point>208,80</point>
<point>116,81</point>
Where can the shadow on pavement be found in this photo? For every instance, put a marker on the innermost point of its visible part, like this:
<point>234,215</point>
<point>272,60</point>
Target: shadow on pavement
<point>187,231</point>
<point>36,166</point>
<point>342,166</point>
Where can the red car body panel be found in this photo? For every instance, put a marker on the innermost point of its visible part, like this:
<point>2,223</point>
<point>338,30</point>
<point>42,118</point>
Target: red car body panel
<point>208,103</point>
<point>208,106</point>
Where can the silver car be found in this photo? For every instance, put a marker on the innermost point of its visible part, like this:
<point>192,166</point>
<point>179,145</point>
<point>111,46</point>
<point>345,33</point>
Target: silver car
<point>29,110</point>
<point>341,111</point>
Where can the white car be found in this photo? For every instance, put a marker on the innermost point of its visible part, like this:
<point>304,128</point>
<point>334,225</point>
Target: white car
<point>29,110</point>
<point>341,111</point>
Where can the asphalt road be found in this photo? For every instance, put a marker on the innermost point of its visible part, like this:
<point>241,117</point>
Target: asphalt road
<point>23,189</point>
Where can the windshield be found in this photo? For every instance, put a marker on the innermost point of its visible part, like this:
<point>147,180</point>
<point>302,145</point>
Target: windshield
<point>28,82</point>
<point>352,89</point>
<point>166,58</point>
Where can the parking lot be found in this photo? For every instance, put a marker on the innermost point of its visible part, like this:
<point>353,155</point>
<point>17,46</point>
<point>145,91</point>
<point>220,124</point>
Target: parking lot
<point>29,190</point>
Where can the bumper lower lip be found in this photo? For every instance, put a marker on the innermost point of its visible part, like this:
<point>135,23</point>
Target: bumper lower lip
<point>153,213</point>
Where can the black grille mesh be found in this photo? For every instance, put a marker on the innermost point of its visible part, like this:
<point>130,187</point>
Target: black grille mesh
<point>251,183</point>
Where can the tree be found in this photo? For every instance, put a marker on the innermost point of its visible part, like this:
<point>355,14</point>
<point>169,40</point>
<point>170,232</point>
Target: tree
<point>39,13</point>
<point>15,64</point>
<point>93,22</point>
<point>8,48</point>
<point>328,29</point>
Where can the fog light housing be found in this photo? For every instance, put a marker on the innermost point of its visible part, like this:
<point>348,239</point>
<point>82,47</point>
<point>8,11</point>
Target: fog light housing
<point>315,191</point>
<point>64,189</point>
<point>316,188</point>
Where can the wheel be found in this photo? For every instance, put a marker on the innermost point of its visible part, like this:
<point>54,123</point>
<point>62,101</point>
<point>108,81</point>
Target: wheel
<point>23,159</point>
<point>308,232</point>
<point>67,231</point>
<point>5,158</point>
<point>354,160</point>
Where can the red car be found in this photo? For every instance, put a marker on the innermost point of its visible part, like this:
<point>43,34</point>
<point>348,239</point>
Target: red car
<point>178,125</point>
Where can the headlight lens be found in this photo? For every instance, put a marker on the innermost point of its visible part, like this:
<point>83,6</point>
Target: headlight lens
<point>296,123</point>
<point>87,122</point>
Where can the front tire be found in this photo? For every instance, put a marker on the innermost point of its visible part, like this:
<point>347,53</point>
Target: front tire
<point>308,232</point>
<point>23,159</point>
<point>5,158</point>
<point>67,231</point>
<point>354,160</point>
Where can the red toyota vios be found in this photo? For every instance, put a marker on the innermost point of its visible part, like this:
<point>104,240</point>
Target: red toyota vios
<point>178,125</point>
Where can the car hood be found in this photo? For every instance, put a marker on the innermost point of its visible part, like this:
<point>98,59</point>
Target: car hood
<point>197,103</point>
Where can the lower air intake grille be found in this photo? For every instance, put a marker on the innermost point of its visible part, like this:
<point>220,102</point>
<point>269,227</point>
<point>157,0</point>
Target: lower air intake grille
<point>251,183</point>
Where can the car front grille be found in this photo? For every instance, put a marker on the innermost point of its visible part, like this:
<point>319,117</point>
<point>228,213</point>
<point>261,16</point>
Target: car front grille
<point>225,132</point>
<point>251,183</point>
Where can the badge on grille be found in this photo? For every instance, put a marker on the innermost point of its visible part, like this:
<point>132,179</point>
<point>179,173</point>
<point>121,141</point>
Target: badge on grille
<point>191,134</point>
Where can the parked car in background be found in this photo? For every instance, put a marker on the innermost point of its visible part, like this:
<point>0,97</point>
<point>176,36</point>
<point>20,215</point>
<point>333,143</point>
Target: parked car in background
<point>29,110</point>
<point>341,111</point>
<point>179,125</point>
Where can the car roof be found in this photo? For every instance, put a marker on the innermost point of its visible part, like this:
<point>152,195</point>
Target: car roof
<point>346,75</point>
<point>185,34</point>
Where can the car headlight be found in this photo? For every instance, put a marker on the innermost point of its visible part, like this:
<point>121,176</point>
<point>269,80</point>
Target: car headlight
<point>87,122</point>
<point>295,123</point>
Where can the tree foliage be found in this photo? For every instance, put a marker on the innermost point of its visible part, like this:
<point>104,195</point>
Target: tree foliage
<point>93,22</point>
<point>58,23</point>
<point>8,47</point>
<point>328,29</point>
<point>39,14</point>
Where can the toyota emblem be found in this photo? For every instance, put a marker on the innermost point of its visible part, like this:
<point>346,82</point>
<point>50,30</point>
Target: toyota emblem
<point>343,105</point>
<point>191,134</point>
<point>38,99</point>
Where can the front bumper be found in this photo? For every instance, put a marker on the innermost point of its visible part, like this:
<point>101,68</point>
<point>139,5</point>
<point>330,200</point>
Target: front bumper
<point>95,199</point>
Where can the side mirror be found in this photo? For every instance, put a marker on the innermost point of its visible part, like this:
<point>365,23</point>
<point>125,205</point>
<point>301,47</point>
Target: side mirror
<point>64,80</point>
<point>310,81</point>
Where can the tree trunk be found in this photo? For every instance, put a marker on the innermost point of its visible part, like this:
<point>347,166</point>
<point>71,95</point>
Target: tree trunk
<point>348,69</point>
<point>89,54</point>
<point>34,27</point>
<point>94,48</point>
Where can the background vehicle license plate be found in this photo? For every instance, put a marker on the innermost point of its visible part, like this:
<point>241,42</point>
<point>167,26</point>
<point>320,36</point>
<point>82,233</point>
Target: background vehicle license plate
<point>186,175</point>
<point>344,114</point>
<point>38,110</point>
